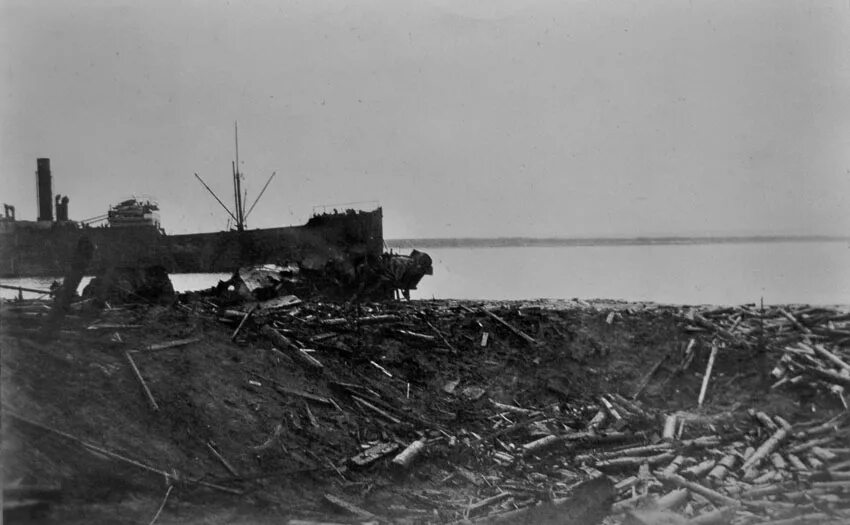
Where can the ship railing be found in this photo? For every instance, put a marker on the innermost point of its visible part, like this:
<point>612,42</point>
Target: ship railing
<point>341,207</point>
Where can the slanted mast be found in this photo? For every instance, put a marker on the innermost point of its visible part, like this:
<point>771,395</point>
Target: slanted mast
<point>239,215</point>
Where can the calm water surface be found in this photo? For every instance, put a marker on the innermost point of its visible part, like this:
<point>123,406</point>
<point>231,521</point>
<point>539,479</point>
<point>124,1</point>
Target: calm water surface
<point>793,272</point>
<point>801,272</point>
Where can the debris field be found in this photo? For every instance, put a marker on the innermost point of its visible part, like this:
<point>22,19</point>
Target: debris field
<point>210,411</point>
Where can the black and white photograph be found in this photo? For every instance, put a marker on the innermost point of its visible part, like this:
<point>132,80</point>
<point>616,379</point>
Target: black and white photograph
<point>316,262</point>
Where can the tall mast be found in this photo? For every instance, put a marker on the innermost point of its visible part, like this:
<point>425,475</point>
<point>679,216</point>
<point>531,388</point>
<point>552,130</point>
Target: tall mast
<point>237,184</point>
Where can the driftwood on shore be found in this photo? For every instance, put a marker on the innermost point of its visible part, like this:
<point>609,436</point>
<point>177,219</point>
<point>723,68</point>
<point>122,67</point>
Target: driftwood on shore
<point>346,407</point>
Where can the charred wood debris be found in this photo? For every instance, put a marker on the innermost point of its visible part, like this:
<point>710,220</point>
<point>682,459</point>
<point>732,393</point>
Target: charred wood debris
<point>612,456</point>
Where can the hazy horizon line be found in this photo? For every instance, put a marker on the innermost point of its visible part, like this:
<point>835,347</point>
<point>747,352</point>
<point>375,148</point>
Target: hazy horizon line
<point>520,241</point>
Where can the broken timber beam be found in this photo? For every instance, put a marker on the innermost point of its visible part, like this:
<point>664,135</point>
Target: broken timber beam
<point>525,337</point>
<point>303,358</point>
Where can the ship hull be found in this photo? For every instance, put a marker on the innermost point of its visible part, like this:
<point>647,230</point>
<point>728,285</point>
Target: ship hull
<point>44,249</point>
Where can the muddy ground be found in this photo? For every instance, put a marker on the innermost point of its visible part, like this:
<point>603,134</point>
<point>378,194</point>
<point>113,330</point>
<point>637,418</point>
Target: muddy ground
<point>423,374</point>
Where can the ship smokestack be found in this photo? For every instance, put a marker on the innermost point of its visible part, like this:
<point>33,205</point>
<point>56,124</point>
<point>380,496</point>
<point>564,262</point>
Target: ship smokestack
<point>44,187</point>
<point>61,205</point>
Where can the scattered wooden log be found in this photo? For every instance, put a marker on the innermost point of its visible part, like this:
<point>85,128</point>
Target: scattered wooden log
<point>92,446</point>
<point>340,504</point>
<point>386,415</point>
<point>487,501</point>
<point>522,335</point>
<point>622,462</point>
<point>802,447</point>
<point>764,450</point>
<point>722,468</point>
<point>672,499</point>
<point>718,516</point>
<point>778,461</point>
<point>373,454</point>
<point>645,450</point>
<point>599,420</point>
<point>441,336</point>
<point>626,483</point>
<point>795,322</point>
<point>830,376</point>
<point>268,443</point>
<point>416,336</point>
<point>148,394</point>
<point>674,465</point>
<point>701,442</point>
<point>611,410</point>
<point>797,463</point>
<point>632,408</point>
<point>712,495</point>
<point>514,409</point>
<point>648,377</point>
<point>707,375</point>
<point>161,505</point>
<point>669,432</point>
<point>769,490</point>
<point>311,522</point>
<point>242,322</point>
<point>221,460</point>
<point>725,334</point>
<point>409,454</point>
<point>540,444</point>
<point>829,426</point>
<point>300,393</point>
<point>823,454</point>
<point>299,355</point>
<point>765,420</point>
<point>169,344</point>
<point>588,502</point>
<point>700,469</point>
<point>310,416</point>
<point>377,319</point>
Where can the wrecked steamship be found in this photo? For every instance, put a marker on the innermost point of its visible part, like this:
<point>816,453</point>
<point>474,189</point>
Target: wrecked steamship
<point>133,237</point>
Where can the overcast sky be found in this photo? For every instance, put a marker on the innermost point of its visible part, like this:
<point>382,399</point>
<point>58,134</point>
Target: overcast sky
<point>488,118</point>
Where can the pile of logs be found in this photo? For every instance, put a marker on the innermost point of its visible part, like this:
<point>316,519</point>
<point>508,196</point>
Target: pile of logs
<point>772,472</point>
<point>766,470</point>
<point>812,342</point>
<point>493,460</point>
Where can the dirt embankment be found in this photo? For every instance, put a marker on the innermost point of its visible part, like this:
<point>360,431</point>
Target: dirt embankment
<point>265,426</point>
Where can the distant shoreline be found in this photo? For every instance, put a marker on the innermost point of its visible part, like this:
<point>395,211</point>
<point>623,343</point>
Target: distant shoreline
<point>531,242</point>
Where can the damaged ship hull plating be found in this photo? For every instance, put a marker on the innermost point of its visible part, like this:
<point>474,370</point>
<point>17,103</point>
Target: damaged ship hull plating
<point>42,249</point>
